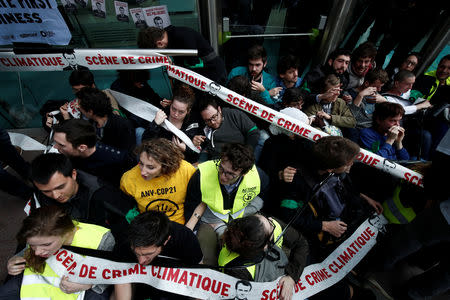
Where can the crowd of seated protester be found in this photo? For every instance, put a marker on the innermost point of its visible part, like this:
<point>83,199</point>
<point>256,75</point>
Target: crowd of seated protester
<point>132,186</point>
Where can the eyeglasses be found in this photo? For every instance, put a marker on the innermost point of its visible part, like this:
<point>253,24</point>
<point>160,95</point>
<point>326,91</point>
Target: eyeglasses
<point>221,170</point>
<point>214,118</point>
<point>409,62</point>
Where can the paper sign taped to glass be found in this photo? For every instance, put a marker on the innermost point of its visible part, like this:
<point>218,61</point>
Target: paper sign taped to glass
<point>32,22</point>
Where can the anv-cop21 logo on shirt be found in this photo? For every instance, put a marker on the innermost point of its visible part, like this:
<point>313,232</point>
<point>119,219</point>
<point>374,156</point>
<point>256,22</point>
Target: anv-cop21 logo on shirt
<point>165,205</point>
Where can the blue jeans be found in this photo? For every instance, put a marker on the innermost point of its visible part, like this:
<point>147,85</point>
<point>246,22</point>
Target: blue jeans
<point>263,136</point>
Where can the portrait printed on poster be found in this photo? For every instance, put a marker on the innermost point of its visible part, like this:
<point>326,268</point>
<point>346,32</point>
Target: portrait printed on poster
<point>98,8</point>
<point>157,16</point>
<point>69,6</point>
<point>138,18</point>
<point>121,11</point>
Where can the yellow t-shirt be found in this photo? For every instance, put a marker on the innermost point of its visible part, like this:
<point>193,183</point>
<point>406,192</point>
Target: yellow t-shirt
<point>164,193</point>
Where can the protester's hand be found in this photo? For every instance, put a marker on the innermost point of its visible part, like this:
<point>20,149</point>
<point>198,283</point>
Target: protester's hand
<point>323,115</point>
<point>198,140</point>
<point>287,175</point>
<point>64,109</point>
<point>423,105</point>
<point>374,204</point>
<point>400,135</point>
<point>335,91</point>
<point>49,120</point>
<point>160,117</point>
<point>257,86</point>
<point>369,91</point>
<point>392,134</point>
<point>379,98</point>
<point>275,91</point>
<point>335,228</point>
<point>16,265</point>
<point>287,287</point>
<point>165,102</point>
<point>347,98</point>
<point>179,143</point>
<point>70,287</point>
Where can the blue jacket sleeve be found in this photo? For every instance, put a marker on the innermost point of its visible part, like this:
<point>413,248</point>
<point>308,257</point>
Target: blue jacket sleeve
<point>402,154</point>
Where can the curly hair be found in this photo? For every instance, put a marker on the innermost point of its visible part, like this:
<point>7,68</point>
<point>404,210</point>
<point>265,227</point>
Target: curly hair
<point>164,152</point>
<point>287,62</point>
<point>240,156</point>
<point>44,221</point>
<point>246,236</point>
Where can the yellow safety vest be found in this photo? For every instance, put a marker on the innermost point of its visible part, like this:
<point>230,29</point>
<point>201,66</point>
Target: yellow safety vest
<point>394,210</point>
<point>226,256</point>
<point>248,189</point>
<point>436,85</point>
<point>46,285</point>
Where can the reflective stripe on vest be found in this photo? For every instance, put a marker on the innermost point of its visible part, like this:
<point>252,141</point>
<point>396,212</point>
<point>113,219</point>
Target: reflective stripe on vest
<point>248,189</point>
<point>436,84</point>
<point>394,210</point>
<point>226,256</point>
<point>46,285</point>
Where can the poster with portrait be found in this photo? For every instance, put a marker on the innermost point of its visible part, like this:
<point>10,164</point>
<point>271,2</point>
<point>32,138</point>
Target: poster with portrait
<point>138,17</point>
<point>157,16</point>
<point>98,8</point>
<point>69,6</point>
<point>121,9</point>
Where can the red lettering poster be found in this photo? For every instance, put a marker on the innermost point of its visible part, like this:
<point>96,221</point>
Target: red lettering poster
<point>157,16</point>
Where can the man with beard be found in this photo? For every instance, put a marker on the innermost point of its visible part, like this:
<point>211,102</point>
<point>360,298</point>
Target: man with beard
<point>261,81</point>
<point>336,64</point>
<point>223,126</point>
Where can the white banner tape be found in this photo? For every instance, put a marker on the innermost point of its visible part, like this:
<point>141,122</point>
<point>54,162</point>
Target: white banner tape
<point>210,284</point>
<point>147,112</point>
<point>110,59</point>
<point>26,143</point>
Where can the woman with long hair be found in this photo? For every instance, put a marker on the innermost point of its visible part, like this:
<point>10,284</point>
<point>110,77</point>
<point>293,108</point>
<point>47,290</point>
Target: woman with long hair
<point>45,231</point>
<point>179,114</point>
<point>160,179</point>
